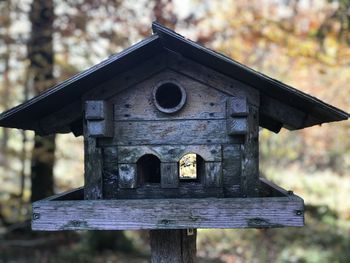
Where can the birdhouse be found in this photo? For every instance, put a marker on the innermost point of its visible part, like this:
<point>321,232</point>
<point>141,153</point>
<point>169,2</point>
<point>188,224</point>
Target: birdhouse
<point>171,140</point>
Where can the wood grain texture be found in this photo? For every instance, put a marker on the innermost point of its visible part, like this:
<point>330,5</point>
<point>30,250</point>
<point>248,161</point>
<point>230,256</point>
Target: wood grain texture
<point>184,132</point>
<point>291,118</point>
<point>169,175</point>
<point>168,153</point>
<point>237,126</point>
<point>168,213</point>
<point>213,174</point>
<point>232,169</point>
<point>185,189</point>
<point>110,171</point>
<point>127,79</point>
<point>93,165</point>
<point>212,78</point>
<point>136,103</point>
<point>99,128</point>
<point>173,246</point>
<point>250,156</point>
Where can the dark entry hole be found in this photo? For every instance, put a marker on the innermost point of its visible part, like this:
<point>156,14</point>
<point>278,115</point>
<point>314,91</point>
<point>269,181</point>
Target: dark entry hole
<point>148,169</point>
<point>169,97</point>
<point>190,168</point>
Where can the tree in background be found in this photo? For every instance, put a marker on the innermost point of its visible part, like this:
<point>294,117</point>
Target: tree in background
<point>41,56</point>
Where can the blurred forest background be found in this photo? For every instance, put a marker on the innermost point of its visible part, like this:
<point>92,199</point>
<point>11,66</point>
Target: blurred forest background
<point>304,43</point>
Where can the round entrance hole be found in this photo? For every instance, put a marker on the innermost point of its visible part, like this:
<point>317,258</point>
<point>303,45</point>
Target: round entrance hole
<point>169,96</point>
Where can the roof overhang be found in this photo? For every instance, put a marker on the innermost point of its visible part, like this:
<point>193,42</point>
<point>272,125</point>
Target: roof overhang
<point>274,94</point>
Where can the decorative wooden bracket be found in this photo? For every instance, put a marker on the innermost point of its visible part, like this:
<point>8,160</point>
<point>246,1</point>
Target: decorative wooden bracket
<point>237,112</point>
<point>99,117</point>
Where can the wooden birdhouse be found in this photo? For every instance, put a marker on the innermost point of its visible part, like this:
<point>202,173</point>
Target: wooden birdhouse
<point>171,134</point>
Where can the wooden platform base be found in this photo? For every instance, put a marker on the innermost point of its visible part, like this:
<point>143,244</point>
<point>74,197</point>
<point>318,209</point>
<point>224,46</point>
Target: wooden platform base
<point>69,212</point>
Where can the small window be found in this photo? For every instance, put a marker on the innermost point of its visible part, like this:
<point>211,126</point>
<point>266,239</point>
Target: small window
<point>169,96</point>
<point>148,169</point>
<point>190,166</point>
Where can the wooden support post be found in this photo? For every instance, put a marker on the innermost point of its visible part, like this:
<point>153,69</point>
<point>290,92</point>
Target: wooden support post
<point>173,246</point>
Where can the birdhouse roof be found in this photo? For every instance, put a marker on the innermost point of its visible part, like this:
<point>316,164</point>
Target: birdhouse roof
<point>278,101</point>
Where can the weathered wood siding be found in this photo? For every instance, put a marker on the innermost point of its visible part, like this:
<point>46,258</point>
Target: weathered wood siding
<point>177,213</point>
<point>173,246</point>
<point>202,101</point>
<point>93,167</point>
<point>216,122</point>
<point>250,156</point>
<point>174,132</point>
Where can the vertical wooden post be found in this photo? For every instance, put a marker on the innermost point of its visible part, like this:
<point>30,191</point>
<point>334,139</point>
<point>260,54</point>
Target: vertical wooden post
<point>173,246</point>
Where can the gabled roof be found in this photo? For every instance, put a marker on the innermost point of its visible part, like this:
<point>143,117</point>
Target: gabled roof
<point>313,110</point>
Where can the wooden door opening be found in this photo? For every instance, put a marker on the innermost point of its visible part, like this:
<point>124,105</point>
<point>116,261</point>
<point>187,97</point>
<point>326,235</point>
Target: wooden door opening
<point>148,169</point>
<point>190,168</point>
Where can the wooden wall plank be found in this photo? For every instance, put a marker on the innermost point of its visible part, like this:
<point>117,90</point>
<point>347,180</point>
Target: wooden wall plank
<point>168,213</point>
<point>212,78</point>
<point>250,156</point>
<point>136,103</point>
<point>127,79</point>
<point>169,175</point>
<point>232,169</point>
<point>173,246</point>
<point>184,132</point>
<point>213,174</point>
<point>93,165</point>
<point>110,171</point>
<point>154,191</point>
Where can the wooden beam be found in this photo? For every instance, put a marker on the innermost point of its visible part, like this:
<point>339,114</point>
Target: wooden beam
<point>232,169</point>
<point>212,78</point>
<point>99,117</point>
<point>175,213</point>
<point>237,106</point>
<point>173,246</point>
<point>185,132</point>
<point>60,121</point>
<point>93,164</point>
<point>237,126</point>
<point>250,156</point>
<point>127,79</point>
<point>288,116</point>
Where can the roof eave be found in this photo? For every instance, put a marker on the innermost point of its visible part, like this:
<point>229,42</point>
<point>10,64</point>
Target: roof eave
<point>26,115</point>
<point>318,111</point>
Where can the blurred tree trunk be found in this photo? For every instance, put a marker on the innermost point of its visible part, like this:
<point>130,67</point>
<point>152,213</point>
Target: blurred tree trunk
<point>5,94</point>
<point>41,57</point>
